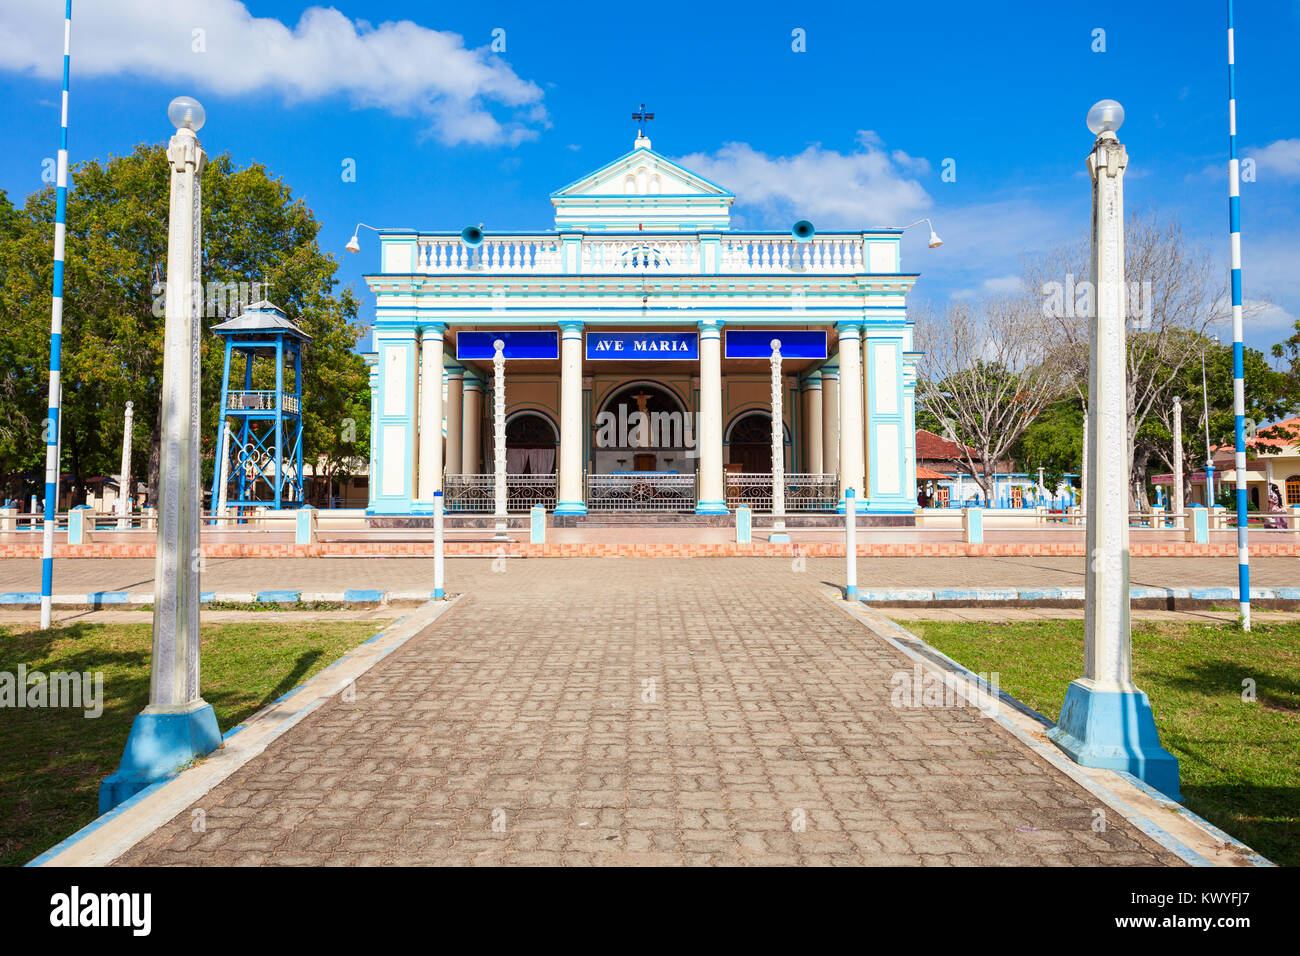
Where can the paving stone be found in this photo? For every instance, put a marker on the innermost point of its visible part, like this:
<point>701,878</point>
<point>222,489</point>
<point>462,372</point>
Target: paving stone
<point>768,738</point>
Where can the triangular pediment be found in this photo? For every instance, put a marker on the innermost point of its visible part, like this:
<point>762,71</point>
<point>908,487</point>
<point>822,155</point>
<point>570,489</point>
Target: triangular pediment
<point>643,172</point>
<point>642,190</point>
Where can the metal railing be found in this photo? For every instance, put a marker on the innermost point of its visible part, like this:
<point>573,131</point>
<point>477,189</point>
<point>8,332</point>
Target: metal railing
<point>803,492</point>
<point>261,401</point>
<point>476,494</point>
<point>641,491</point>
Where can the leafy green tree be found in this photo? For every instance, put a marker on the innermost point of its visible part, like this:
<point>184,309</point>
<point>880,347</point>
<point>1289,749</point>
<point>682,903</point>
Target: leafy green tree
<point>255,235</point>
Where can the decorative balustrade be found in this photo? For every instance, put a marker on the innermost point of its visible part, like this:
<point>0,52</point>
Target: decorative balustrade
<point>667,254</point>
<point>475,494</point>
<point>261,401</point>
<point>803,492</point>
<point>747,254</point>
<point>641,491</point>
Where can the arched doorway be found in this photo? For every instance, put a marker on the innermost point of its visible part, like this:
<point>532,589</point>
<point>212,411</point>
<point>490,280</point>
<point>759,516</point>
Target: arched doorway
<point>749,443</point>
<point>531,440</point>
<point>643,426</point>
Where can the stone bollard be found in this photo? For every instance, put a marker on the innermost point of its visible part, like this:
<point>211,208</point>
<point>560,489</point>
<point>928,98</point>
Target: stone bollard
<point>850,546</point>
<point>1293,521</point>
<point>537,525</point>
<point>1157,517</point>
<point>149,519</point>
<point>305,526</point>
<point>744,525</point>
<point>439,548</point>
<point>80,521</point>
<point>1198,524</point>
<point>8,519</point>
<point>972,525</point>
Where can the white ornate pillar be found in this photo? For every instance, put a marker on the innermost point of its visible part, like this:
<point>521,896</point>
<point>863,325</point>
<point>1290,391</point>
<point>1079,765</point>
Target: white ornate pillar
<point>572,435</point>
<point>177,725</point>
<point>1105,720</point>
<point>851,424</point>
<point>712,497</point>
<point>429,432</point>
<point>1178,502</point>
<point>454,416</point>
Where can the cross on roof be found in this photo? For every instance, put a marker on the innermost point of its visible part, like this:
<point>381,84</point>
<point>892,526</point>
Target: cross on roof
<point>642,117</point>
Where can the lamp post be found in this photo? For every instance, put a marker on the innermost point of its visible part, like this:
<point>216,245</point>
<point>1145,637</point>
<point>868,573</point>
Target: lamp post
<point>178,725</point>
<point>124,489</point>
<point>934,243</point>
<point>1178,462</point>
<point>499,435</point>
<point>1209,456</point>
<point>1106,721</point>
<point>778,534</point>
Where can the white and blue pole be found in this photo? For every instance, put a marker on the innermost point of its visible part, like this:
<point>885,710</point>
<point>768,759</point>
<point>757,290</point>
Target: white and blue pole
<point>1238,353</point>
<point>439,543</point>
<point>52,427</point>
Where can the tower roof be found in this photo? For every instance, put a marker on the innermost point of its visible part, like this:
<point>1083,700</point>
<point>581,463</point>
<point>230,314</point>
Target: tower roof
<point>265,318</point>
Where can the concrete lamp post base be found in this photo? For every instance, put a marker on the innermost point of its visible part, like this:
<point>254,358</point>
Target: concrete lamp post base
<point>162,741</point>
<point>1115,730</point>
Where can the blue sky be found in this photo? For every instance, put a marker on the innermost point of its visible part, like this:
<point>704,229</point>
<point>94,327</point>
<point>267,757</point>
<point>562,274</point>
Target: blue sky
<point>851,133</point>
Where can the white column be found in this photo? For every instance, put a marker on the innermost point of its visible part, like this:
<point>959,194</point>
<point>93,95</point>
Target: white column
<point>830,420</point>
<point>178,725</point>
<point>499,488</point>
<point>1105,720</point>
<point>572,435</point>
<point>778,447</point>
<point>1178,462</point>
<point>851,424</point>
<point>124,484</point>
<point>429,429</point>
<point>712,497</point>
<point>175,681</point>
<point>812,423</point>
<point>472,417</point>
<point>454,415</point>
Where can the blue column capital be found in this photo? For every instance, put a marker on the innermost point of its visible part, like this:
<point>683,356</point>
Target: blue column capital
<point>433,328</point>
<point>570,325</point>
<point>849,327</point>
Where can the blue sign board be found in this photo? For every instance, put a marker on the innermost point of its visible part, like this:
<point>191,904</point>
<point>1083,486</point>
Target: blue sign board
<point>757,343</point>
<point>643,346</point>
<point>518,345</point>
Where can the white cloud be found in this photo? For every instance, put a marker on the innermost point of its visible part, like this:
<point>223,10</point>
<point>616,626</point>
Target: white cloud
<point>998,285</point>
<point>1281,157</point>
<point>400,67</point>
<point>868,187</point>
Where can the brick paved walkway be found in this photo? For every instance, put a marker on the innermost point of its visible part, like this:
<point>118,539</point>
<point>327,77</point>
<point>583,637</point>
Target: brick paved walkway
<point>643,712</point>
<point>81,575</point>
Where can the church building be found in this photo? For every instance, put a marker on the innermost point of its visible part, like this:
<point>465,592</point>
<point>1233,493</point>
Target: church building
<point>638,369</point>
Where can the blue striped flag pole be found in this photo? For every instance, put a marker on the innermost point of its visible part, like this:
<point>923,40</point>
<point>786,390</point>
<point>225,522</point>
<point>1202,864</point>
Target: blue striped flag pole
<point>56,342</point>
<point>1238,352</point>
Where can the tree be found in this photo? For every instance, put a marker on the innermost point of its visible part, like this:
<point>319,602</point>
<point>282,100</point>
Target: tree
<point>1171,294</point>
<point>988,371</point>
<point>255,235</point>
<point>1053,442</point>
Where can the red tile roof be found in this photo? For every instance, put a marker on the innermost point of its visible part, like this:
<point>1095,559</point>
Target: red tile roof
<point>930,447</point>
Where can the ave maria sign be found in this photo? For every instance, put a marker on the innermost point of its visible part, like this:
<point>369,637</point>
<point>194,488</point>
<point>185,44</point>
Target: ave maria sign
<point>659,346</point>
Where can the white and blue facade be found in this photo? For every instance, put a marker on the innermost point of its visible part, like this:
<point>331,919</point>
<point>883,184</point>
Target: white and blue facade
<point>642,305</point>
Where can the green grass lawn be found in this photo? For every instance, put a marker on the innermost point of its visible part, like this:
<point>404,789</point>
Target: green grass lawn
<point>1239,763</point>
<point>53,759</point>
